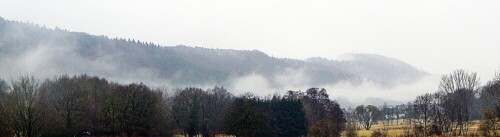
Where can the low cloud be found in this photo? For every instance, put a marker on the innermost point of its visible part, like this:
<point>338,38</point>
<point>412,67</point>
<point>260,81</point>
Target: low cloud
<point>348,94</point>
<point>49,59</point>
<point>45,62</point>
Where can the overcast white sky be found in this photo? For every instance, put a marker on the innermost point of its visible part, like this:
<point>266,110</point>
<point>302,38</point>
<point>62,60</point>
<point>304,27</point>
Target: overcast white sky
<point>436,36</point>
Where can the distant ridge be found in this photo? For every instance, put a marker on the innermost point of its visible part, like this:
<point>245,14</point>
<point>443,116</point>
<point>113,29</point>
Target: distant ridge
<point>28,48</point>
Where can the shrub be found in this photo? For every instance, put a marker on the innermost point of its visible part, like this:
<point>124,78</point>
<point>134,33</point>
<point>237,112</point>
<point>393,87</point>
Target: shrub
<point>487,125</point>
<point>350,130</point>
<point>379,133</point>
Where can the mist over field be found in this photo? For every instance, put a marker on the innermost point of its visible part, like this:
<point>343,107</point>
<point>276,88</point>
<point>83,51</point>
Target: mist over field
<point>353,78</point>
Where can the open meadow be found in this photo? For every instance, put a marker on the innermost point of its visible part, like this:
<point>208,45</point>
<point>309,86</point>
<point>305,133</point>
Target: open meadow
<point>403,128</point>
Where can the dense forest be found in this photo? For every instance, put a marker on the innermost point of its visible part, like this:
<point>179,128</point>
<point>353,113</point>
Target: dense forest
<point>84,105</point>
<point>91,106</point>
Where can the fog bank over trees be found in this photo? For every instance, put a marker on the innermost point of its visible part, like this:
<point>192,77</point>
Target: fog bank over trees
<point>83,105</point>
<point>27,48</point>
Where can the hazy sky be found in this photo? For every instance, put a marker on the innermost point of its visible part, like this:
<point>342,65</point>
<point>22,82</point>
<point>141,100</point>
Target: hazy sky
<point>436,36</point>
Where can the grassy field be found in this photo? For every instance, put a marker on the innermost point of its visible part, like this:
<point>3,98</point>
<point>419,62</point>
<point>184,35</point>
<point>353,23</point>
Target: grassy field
<point>395,130</point>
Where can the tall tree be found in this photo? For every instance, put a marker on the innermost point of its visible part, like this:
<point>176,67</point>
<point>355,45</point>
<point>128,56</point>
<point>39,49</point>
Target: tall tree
<point>133,109</point>
<point>386,113</point>
<point>316,100</point>
<point>319,107</point>
<point>69,101</point>
<point>247,117</point>
<point>24,106</point>
<point>186,110</point>
<point>490,94</point>
<point>140,108</point>
<point>460,89</point>
<point>459,79</point>
<point>409,112</point>
<point>423,107</point>
<point>215,105</point>
<point>289,118</point>
<point>4,125</point>
<point>368,115</point>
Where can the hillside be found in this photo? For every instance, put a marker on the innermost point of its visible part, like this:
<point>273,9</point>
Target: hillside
<point>32,49</point>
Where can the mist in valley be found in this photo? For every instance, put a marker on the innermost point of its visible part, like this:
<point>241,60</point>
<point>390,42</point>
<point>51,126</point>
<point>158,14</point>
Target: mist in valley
<point>352,79</point>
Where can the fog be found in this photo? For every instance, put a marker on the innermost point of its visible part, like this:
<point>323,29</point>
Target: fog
<point>50,60</point>
<point>436,36</point>
<point>346,93</point>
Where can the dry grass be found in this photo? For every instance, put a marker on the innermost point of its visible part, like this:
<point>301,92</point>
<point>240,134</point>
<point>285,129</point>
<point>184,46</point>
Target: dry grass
<point>398,129</point>
<point>392,130</point>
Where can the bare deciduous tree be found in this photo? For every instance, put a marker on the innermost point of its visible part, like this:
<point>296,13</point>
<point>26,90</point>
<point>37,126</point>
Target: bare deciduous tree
<point>367,116</point>
<point>24,101</point>
<point>187,104</point>
<point>422,105</point>
<point>459,79</point>
<point>458,98</point>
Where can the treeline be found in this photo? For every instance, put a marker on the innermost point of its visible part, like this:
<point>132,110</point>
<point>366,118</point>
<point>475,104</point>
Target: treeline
<point>449,111</point>
<point>91,106</point>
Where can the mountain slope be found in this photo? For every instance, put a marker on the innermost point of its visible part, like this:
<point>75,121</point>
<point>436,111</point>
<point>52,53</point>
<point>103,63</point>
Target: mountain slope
<point>27,48</point>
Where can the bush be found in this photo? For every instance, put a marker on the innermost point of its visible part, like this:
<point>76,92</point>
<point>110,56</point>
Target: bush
<point>418,130</point>
<point>435,130</point>
<point>350,130</point>
<point>322,128</point>
<point>487,125</point>
<point>407,132</point>
<point>379,133</point>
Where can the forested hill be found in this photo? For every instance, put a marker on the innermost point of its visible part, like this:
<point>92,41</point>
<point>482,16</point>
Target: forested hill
<point>32,49</point>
